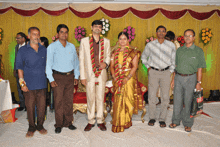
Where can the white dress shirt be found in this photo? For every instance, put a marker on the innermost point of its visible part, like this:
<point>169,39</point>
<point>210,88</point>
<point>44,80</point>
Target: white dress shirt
<point>21,45</point>
<point>159,55</point>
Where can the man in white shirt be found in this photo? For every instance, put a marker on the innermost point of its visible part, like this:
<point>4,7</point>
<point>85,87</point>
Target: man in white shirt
<point>159,57</point>
<point>21,39</point>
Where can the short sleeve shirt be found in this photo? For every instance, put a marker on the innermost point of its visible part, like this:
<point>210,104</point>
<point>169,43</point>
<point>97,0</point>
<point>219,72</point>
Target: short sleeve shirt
<point>33,64</point>
<point>188,60</point>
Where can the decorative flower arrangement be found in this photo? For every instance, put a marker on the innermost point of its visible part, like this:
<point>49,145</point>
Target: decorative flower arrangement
<point>131,32</point>
<point>54,38</point>
<point>1,35</point>
<point>106,26</point>
<point>149,39</point>
<point>181,41</point>
<point>80,33</point>
<point>205,36</point>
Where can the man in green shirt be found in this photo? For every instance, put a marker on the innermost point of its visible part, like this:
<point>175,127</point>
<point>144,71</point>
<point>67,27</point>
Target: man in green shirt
<point>189,63</point>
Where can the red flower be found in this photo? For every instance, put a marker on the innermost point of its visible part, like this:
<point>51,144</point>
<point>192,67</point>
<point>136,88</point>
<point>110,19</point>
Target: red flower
<point>182,41</point>
<point>179,38</point>
<point>182,37</point>
<point>181,44</point>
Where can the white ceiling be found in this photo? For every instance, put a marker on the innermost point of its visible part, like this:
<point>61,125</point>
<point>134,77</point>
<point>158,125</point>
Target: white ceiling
<point>178,2</point>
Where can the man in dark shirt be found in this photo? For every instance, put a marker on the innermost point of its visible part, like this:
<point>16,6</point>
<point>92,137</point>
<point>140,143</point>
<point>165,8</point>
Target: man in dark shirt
<point>31,63</point>
<point>21,40</point>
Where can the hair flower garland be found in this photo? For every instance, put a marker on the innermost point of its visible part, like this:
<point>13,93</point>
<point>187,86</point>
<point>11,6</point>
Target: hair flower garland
<point>131,32</point>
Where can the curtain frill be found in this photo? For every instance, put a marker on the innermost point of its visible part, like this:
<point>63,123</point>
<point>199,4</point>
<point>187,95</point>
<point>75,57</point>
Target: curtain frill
<point>118,14</point>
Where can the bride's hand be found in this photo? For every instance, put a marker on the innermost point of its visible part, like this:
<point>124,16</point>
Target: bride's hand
<point>125,80</point>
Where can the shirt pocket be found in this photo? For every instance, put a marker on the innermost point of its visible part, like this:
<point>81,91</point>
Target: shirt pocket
<point>193,61</point>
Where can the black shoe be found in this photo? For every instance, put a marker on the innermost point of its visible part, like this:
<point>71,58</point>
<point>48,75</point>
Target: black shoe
<point>20,108</point>
<point>58,130</point>
<point>72,127</point>
<point>25,108</point>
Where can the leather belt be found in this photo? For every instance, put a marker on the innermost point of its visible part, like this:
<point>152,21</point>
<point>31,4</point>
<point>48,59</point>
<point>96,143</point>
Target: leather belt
<point>161,69</point>
<point>63,73</point>
<point>184,75</point>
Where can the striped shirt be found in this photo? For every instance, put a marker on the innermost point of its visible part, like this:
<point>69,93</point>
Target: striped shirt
<point>159,55</point>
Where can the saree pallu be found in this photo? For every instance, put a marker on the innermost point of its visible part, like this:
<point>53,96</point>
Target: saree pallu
<point>129,101</point>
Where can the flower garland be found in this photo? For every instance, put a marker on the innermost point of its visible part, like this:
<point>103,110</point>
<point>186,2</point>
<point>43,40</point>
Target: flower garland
<point>149,39</point>
<point>131,32</point>
<point>97,72</point>
<point>1,35</point>
<point>119,77</point>
<point>205,36</point>
<point>54,38</point>
<point>106,26</point>
<point>181,41</point>
<point>80,33</point>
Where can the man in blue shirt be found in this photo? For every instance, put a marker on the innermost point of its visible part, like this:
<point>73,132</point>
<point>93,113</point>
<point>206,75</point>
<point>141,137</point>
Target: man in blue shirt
<point>31,63</point>
<point>62,65</point>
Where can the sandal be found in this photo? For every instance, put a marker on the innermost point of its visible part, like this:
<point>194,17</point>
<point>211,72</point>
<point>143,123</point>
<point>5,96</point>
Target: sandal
<point>173,125</point>
<point>162,124</point>
<point>188,129</point>
<point>151,122</point>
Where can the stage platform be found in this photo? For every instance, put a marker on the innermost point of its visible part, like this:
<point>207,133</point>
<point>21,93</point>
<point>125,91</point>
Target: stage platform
<point>205,132</point>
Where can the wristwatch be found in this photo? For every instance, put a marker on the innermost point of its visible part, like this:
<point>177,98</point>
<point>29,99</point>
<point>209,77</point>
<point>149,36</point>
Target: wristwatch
<point>199,82</point>
<point>106,65</point>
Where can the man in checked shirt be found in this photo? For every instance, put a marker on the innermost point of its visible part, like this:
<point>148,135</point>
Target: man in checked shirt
<point>159,58</point>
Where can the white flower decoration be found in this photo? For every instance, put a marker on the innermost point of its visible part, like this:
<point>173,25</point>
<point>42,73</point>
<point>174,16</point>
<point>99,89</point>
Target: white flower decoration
<point>103,23</point>
<point>106,21</point>
<point>103,27</point>
<point>107,25</point>
<point>103,31</point>
<point>103,19</point>
<point>106,29</point>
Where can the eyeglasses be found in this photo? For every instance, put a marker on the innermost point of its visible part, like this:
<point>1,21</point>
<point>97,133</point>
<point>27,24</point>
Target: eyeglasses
<point>161,31</point>
<point>186,36</point>
<point>18,37</point>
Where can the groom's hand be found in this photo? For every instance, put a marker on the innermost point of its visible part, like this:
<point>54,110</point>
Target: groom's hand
<point>102,65</point>
<point>84,82</point>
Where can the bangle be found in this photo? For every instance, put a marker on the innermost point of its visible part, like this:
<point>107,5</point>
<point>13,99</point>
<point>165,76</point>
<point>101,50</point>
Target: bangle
<point>22,82</point>
<point>129,76</point>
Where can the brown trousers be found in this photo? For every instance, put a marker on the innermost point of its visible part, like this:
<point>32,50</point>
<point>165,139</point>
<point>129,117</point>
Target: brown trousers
<point>32,98</point>
<point>63,99</point>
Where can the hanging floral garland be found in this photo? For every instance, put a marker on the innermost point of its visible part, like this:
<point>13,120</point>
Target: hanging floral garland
<point>149,39</point>
<point>205,36</point>
<point>96,71</point>
<point>80,33</point>
<point>106,26</point>
<point>131,32</point>
<point>181,41</point>
<point>54,38</point>
<point>120,76</point>
<point>1,35</point>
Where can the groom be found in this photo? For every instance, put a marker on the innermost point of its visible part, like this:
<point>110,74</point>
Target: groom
<point>94,58</point>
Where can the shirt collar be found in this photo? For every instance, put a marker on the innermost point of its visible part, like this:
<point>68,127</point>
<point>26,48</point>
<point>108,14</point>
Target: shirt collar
<point>21,45</point>
<point>67,43</point>
<point>159,42</point>
<point>191,47</point>
<point>28,45</point>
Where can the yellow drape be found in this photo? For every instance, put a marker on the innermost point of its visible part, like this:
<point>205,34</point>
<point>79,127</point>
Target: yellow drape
<point>13,23</point>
